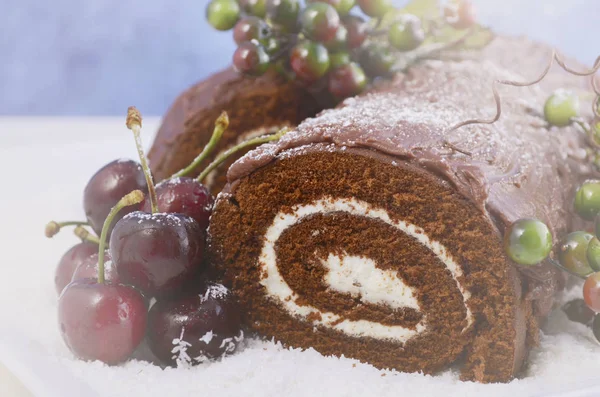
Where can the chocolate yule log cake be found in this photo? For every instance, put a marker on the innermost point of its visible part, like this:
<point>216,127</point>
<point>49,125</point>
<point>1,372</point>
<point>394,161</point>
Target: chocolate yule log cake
<point>374,230</point>
<point>255,106</point>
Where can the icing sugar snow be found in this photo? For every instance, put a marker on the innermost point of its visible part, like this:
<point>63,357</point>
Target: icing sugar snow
<point>214,291</point>
<point>566,360</point>
<point>279,290</point>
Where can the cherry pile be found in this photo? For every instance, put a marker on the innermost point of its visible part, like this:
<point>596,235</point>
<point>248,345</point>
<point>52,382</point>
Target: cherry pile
<point>529,242</point>
<point>322,44</point>
<point>148,247</point>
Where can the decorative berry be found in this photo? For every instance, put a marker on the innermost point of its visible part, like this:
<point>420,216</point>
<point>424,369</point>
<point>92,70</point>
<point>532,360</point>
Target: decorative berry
<point>527,241</point>
<point>342,7</point>
<point>283,13</point>
<point>101,321</point>
<point>375,8</point>
<point>338,59</point>
<point>319,22</point>
<point>577,311</point>
<point>587,199</point>
<point>460,14</point>
<point>309,60</point>
<point>561,107</point>
<point>184,196</point>
<point>596,327</point>
<point>223,14</point>
<point>251,58</point>
<point>69,262</point>
<point>195,329</point>
<point>347,80</point>
<point>251,28</point>
<point>591,292</point>
<point>573,252</point>
<point>377,60</point>
<point>357,29</point>
<point>107,187</point>
<point>406,34</point>
<point>257,8</point>
<point>339,41</point>
<point>593,254</point>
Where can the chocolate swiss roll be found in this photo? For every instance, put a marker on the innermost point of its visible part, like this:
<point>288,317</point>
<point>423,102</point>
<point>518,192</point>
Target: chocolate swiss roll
<point>374,230</point>
<point>255,106</point>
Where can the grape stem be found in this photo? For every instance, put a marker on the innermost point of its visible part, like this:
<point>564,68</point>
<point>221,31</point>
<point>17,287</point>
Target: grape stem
<point>85,235</point>
<point>250,142</point>
<point>221,125</point>
<point>52,228</point>
<point>132,198</point>
<point>134,123</point>
<point>587,129</point>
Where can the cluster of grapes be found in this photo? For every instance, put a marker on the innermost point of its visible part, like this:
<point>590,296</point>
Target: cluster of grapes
<point>529,241</point>
<point>322,43</point>
<point>105,308</point>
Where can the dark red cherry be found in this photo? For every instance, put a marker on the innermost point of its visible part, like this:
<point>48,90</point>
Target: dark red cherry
<point>157,253</point>
<point>184,196</point>
<point>107,187</point>
<point>195,329</point>
<point>103,322</point>
<point>319,22</point>
<point>251,28</point>
<point>89,269</point>
<point>74,257</point>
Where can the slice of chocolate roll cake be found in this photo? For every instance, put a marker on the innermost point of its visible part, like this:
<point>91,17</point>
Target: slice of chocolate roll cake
<point>373,232</point>
<point>256,106</point>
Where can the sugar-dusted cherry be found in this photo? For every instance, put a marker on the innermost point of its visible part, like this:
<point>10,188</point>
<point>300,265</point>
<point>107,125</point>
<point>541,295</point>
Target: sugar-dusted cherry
<point>195,329</point>
<point>157,252</point>
<point>107,187</point>
<point>69,262</point>
<point>184,195</point>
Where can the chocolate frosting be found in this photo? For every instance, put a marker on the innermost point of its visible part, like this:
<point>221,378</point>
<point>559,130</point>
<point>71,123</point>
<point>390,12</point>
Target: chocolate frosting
<point>518,167</point>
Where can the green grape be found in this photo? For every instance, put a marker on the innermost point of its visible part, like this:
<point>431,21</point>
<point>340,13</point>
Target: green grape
<point>587,199</point>
<point>561,107</point>
<point>573,252</point>
<point>527,241</point>
<point>223,14</point>
<point>406,34</point>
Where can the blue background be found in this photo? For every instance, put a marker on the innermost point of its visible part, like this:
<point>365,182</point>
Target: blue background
<point>96,57</point>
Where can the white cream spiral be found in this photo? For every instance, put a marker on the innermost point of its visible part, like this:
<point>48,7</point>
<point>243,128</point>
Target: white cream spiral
<point>374,285</point>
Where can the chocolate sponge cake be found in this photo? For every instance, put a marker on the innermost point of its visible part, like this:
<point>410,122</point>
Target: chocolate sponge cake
<point>255,107</point>
<point>374,230</point>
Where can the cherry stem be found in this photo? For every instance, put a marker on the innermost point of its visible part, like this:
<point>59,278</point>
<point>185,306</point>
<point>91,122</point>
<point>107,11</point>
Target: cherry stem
<point>52,228</point>
<point>250,142</point>
<point>135,197</point>
<point>220,126</point>
<point>561,267</point>
<point>85,235</point>
<point>134,123</point>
